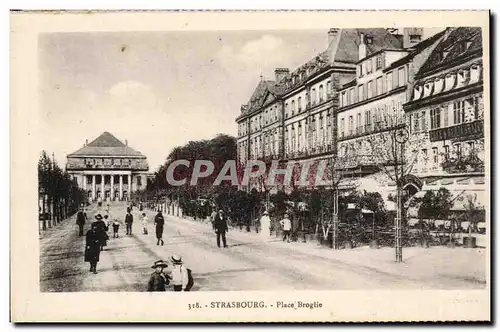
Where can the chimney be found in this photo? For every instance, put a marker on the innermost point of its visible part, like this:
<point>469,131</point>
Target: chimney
<point>86,142</point>
<point>362,47</point>
<point>332,33</point>
<point>280,73</point>
<point>126,142</point>
<point>412,36</point>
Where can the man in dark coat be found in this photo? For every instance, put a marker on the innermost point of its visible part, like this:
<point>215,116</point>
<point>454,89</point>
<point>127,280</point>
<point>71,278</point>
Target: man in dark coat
<point>92,247</point>
<point>81,217</point>
<point>220,227</point>
<point>101,231</point>
<point>159,223</point>
<point>158,280</point>
<point>129,219</point>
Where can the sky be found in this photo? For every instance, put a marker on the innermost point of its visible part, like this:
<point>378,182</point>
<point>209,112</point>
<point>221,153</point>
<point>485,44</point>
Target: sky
<point>157,90</point>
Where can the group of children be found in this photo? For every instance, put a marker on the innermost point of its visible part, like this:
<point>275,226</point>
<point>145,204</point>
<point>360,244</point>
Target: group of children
<point>180,276</point>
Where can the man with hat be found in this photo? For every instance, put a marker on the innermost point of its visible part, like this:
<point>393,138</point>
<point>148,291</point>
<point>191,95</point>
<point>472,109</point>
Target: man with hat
<point>92,247</point>
<point>158,280</point>
<point>179,274</point>
<point>220,227</point>
<point>101,231</point>
<point>81,217</point>
<point>129,220</point>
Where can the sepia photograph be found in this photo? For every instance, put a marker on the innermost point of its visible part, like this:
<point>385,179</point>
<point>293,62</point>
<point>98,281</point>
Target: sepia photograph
<point>223,161</point>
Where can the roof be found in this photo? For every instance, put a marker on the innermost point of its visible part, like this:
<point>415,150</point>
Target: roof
<point>106,145</point>
<point>451,43</point>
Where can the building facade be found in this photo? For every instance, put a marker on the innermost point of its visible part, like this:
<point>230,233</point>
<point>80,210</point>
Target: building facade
<point>295,116</point>
<point>446,116</point>
<point>107,169</point>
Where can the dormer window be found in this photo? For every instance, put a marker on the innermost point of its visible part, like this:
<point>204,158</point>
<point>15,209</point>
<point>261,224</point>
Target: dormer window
<point>427,89</point>
<point>462,78</point>
<point>368,40</point>
<point>464,46</point>
<point>445,53</point>
<point>450,82</point>
<point>475,73</point>
<point>415,39</point>
<point>438,85</point>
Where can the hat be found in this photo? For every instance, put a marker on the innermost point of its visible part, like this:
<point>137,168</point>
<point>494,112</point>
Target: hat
<point>98,217</point>
<point>265,212</point>
<point>221,211</point>
<point>106,216</point>
<point>159,263</point>
<point>176,259</point>
<point>286,215</point>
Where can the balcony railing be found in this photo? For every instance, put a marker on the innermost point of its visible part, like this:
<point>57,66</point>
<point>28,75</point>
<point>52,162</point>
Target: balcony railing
<point>89,166</point>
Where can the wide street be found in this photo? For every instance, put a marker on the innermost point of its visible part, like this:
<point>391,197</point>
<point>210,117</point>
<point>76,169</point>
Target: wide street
<point>250,263</point>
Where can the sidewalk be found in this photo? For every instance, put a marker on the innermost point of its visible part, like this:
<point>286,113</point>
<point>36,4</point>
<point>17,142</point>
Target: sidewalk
<point>441,266</point>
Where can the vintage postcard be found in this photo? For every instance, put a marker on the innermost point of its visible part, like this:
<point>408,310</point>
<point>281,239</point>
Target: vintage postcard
<point>263,166</point>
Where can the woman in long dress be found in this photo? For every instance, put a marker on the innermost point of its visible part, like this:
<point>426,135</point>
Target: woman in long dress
<point>93,247</point>
<point>265,224</point>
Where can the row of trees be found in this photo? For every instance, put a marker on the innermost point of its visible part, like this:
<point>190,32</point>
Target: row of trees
<point>59,195</point>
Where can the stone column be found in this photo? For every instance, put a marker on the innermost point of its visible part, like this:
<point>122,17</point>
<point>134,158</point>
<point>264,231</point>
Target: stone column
<point>129,185</point>
<point>103,196</point>
<point>112,190</point>
<point>120,197</point>
<point>93,187</point>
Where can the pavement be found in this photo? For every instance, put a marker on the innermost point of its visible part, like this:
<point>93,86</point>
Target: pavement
<point>251,262</point>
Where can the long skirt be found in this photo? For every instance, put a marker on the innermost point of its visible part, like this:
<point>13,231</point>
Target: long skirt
<point>159,232</point>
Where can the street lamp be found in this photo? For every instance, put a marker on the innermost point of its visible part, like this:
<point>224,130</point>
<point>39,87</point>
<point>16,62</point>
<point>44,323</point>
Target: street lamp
<point>401,136</point>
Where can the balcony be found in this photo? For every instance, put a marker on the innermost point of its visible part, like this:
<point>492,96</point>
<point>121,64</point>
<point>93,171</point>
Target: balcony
<point>105,167</point>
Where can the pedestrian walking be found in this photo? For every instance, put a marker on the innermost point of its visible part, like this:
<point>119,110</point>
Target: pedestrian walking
<point>181,277</point>
<point>212,217</point>
<point>220,228</point>
<point>81,217</point>
<point>159,223</point>
<point>116,227</point>
<point>158,280</point>
<point>144,224</point>
<point>129,220</point>
<point>92,247</point>
<point>265,225</point>
<point>286,223</point>
<point>101,231</point>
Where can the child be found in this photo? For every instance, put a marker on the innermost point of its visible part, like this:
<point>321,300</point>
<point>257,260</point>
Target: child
<point>145,223</point>
<point>158,280</point>
<point>181,276</point>
<point>116,226</point>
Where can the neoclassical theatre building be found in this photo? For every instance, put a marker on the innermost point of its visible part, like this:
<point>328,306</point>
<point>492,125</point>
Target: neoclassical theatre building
<point>108,169</point>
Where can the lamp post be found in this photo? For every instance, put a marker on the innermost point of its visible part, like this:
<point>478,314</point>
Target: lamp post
<point>401,136</point>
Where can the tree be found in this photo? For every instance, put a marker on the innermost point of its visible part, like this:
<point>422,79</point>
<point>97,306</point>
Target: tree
<point>433,206</point>
<point>374,202</point>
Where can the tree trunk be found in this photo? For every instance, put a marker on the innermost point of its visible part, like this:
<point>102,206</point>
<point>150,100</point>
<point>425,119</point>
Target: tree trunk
<point>44,211</point>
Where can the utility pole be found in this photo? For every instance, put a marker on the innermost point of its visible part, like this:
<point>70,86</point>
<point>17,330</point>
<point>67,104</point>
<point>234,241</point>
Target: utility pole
<point>401,136</point>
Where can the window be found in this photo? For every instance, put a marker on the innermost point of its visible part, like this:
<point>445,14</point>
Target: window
<point>328,87</point>
<point>360,93</point>
<point>313,96</point>
<point>320,91</point>
<point>380,86</point>
<point>351,95</point>
<point>351,125</point>
<point>446,151</point>
<point>445,115</point>
<point>401,77</point>
<point>139,181</point>
<point>463,46</point>
<point>286,111</point>
<point>379,61</point>
<point>423,121</point>
<point>293,107</point>
<point>470,147</point>
<point>343,100</point>
<point>368,120</point>
<point>416,123</point>
<point>365,91</point>
<point>435,155</point>
<point>89,179</point>
<point>360,70</point>
<point>358,123</point>
<point>299,104</point>
<point>424,155</point>
<point>370,89</point>
<point>369,66</point>
<point>458,112</point>
<point>435,118</point>
<point>458,149</point>
<point>474,74</point>
<point>388,81</point>
<point>415,39</point>
<point>342,127</point>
